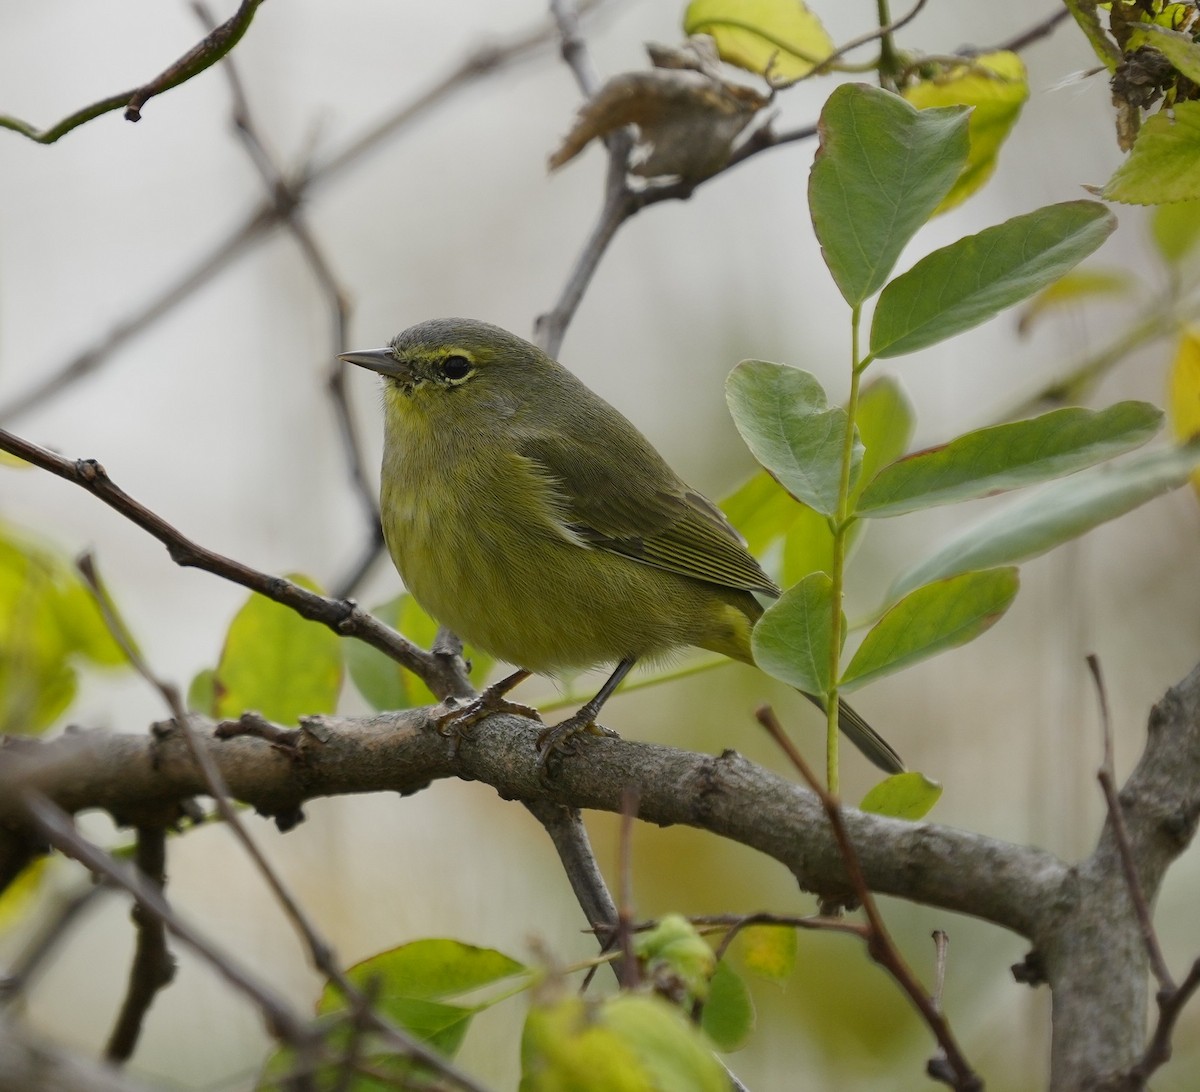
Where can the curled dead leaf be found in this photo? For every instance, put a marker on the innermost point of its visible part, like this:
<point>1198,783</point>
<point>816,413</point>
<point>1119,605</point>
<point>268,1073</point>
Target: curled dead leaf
<point>687,116</point>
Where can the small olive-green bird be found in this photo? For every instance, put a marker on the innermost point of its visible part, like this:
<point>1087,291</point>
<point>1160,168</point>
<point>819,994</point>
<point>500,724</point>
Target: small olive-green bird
<point>531,518</point>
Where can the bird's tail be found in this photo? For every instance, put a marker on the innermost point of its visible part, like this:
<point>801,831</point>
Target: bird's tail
<point>876,749</point>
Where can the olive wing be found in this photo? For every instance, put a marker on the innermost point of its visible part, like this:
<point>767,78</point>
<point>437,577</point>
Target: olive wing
<point>627,500</point>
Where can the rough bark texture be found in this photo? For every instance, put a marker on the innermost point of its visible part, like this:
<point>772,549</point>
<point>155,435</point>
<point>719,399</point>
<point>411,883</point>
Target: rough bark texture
<point>1080,917</point>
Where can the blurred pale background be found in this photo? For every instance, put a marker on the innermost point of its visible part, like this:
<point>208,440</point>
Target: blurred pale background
<point>216,417</point>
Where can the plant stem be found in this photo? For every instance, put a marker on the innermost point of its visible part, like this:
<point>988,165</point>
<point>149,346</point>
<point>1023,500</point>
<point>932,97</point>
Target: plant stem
<point>837,577</point>
<point>889,62</point>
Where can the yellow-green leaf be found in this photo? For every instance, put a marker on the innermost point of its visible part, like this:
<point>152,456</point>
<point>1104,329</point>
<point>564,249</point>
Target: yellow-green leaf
<point>48,623</point>
<point>277,663</point>
<point>1183,394</point>
<point>909,795</point>
<point>779,38</point>
<point>769,951</point>
<point>1075,287</point>
<point>675,948</point>
<point>628,1043</point>
<point>1175,229</point>
<point>1165,162</point>
<point>995,84</point>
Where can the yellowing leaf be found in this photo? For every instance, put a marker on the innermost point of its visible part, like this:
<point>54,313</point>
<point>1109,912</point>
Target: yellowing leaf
<point>1165,162</point>
<point>1175,229</point>
<point>995,84</point>
<point>19,896</point>
<point>779,38</point>
<point>1074,287</point>
<point>769,950</point>
<point>1183,391</point>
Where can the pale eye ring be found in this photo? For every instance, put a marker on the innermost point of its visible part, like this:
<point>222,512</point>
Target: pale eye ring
<point>456,367</point>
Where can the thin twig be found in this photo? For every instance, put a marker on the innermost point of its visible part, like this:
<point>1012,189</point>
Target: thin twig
<point>880,946</point>
<point>257,225</point>
<point>14,982</point>
<point>1107,778</point>
<point>286,194</point>
<point>214,46</point>
<point>320,951</point>
<point>629,971</point>
<point>444,677</point>
<point>1034,33</point>
<point>573,48</point>
<point>153,966</point>
<point>1170,1005</point>
<point>58,829</point>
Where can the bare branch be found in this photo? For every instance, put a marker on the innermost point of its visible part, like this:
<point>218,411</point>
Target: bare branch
<point>28,1065</point>
<point>214,46</point>
<point>442,674</point>
<point>1107,778</point>
<point>56,826</point>
<point>57,923</point>
<point>286,195</point>
<point>153,965</point>
<point>258,224</point>
<point>879,942</point>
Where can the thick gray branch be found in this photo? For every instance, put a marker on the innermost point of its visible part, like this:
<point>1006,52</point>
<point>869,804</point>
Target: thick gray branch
<point>141,781</point>
<point>1085,936</point>
<point>1091,946</point>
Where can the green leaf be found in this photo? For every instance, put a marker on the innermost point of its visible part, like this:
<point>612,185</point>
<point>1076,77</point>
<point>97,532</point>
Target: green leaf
<point>885,422</point>
<point>412,983</point>
<point>1175,229</point>
<point>792,640</point>
<point>728,1015</point>
<point>781,37</point>
<point>202,693</point>
<point>880,171</point>
<point>909,795</point>
<point>1164,164</point>
<point>938,616</point>
<point>769,951</point>
<point>433,969</point>
<point>969,281</point>
<point>788,537</point>
<point>1057,513</point>
<point>995,85</point>
<point>1087,14</point>
<point>783,416</point>
<point>1074,287</point>
<point>991,460</point>
<point>278,663</point>
<point>628,1043</point>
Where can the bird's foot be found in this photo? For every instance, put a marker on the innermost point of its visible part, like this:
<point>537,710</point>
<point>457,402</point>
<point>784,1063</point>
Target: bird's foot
<point>559,740</point>
<point>460,716</point>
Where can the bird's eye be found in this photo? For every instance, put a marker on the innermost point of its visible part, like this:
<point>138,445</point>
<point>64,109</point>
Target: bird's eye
<point>456,367</point>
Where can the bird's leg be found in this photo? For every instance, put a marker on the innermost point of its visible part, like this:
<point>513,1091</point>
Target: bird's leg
<point>559,738</point>
<point>459,718</point>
